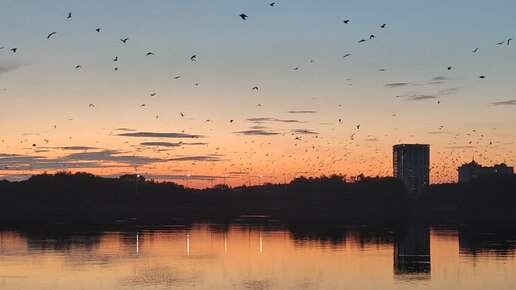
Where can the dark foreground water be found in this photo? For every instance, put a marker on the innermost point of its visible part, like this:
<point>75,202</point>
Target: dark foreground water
<point>262,255</point>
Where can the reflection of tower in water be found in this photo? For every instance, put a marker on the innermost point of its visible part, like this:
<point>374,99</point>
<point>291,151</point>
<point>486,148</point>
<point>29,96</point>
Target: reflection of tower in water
<point>412,250</point>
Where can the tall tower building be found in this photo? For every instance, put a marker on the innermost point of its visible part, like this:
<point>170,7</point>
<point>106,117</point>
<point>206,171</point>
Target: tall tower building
<point>411,163</point>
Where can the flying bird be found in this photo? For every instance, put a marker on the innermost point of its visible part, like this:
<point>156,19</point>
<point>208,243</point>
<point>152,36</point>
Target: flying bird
<point>243,16</point>
<point>383,25</point>
<point>91,105</point>
<point>142,105</point>
<point>371,36</point>
<point>116,58</point>
<point>296,68</point>
<point>193,57</point>
<point>149,53</point>
<point>231,121</point>
<point>50,34</point>
<point>449,68</point>
<point>272,4</point>
<point>500,43</point>
<point>358,127</point>
<point>254,88</point>
<point>124,40</point>
<point>482,77</point>
<point>346,21</point>
<point>182,115</point>
<point>152,94</point>
<point>177,77</point>
<point>362,40</point>
<point>14,49</point>
<point>69,15</point>
<point>509,40</point>
<point>475,50</point>
<point>78,66</point>
<point>98,29</point>
<point>116,69</point>
<point>347,54</point>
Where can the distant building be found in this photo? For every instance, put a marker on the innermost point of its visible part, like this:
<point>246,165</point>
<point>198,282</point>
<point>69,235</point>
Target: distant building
<point>473,170</point>
<point>411,163</point>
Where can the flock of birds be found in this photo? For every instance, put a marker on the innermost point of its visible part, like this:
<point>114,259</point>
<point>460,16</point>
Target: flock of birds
<point>308,153</point>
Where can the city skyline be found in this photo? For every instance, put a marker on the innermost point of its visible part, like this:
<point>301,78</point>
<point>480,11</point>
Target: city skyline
<point>201,95</point>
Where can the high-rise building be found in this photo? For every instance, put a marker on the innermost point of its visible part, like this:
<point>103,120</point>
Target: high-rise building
<point>411,164</point>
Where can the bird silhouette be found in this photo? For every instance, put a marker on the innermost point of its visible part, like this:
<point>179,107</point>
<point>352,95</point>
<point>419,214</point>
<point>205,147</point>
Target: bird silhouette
<point>475,50</point>
<point>500,43</point>
<point>346,21</point>
<point>347,54</point>
<point>177,77</point>
<point>371,36</point>
<point>182,115</point>
<point>358,127</point>
<point>193,57</point>
<point>97,29</point>
<point>50,34</point>
<point>362,40</point>
<point>14,49</point>
<point>296,68</point>
<point>272,4</point>
<point>91,105</point>
<point>152,94</point>
<point>69,15</point>
<point>149,53</point>
<point>383,25</point>
<point>482,77</point>
<point>254,88</point>
<point>509,40</point>
<point>449,68</point>
<point>116,69</point>
<point>124,40</point>
<point>231,121</point>
<point>243,16</point>
<point>78,66</point>
<point>142,105</point>
<point>116,58</point>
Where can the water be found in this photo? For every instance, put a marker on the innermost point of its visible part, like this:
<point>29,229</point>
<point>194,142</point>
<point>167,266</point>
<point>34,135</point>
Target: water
<point>245,256</point>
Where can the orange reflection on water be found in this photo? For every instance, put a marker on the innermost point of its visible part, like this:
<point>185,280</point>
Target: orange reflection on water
<point>207,257</point>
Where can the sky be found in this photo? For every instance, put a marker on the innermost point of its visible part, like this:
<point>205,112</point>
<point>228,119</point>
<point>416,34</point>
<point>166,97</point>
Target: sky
<point>289,91</point>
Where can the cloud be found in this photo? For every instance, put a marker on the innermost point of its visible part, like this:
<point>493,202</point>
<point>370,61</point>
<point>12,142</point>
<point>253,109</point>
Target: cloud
<point>304,131</point>
<point>505,103</point>
<point>301,112</point>
<point>112,156</point>
<point>420,97</point>
<point>78,148</point>
<point>161,144</point>
<point>256,133</point>
<point>7,67</point>
<point>448,91</point>
<point>125,129</point>
<point>97,159</point>
<point>170,144</point>
<point>211,158</point>
<point>258,127</point>
<point>160,135</point>
<point>397,85</point>
<point>459,147</point>
<point>265,119</point>
<point>438,80</point>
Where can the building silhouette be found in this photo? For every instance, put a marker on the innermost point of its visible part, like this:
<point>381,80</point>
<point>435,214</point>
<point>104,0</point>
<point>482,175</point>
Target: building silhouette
<point>411,163</point>
<point>473,170</point>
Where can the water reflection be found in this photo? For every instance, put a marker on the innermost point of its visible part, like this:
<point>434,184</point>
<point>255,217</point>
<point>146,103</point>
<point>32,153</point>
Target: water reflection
<point>260,256</point>
<point>412,250</point>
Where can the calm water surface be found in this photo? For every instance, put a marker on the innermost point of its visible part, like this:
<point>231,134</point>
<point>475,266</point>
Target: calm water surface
<point>210,256</point>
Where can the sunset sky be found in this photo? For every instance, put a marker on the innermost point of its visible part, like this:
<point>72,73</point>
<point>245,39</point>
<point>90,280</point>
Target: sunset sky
<point>314,110</point>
